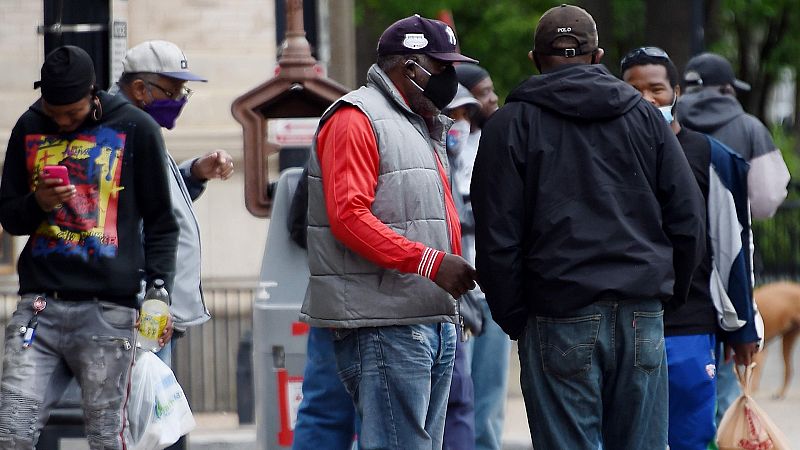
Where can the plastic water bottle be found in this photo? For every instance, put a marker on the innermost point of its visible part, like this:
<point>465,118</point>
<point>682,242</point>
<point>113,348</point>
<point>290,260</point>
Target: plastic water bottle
<point>154,315</point>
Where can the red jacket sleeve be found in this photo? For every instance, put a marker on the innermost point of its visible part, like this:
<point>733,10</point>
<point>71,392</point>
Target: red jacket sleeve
<point>348,156</point>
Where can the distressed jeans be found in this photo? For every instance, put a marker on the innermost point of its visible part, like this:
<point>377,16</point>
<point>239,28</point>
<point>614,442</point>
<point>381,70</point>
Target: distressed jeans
<point>399,379</point>
<point>94,341</point>
<point>597,378</point>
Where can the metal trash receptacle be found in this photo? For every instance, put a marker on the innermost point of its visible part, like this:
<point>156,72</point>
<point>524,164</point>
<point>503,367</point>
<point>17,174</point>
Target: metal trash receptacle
<point>279,338</point>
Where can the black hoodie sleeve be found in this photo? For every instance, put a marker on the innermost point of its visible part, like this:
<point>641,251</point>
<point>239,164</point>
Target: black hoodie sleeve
<point>151,180</point>
<point>20,214</point>
<point>499,222</point>
<point>683,212</point>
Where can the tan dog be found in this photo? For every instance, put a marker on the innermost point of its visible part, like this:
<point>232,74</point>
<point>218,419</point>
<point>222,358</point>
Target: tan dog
<point>779,305</point>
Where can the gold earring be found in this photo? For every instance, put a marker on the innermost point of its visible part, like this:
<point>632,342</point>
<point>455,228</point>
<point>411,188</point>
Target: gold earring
<point>97,112</point>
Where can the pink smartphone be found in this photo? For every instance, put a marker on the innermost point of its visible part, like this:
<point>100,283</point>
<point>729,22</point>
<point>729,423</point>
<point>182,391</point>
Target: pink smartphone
<point>57,172</point>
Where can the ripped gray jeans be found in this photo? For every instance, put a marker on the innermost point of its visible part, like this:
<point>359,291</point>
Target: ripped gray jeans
<point>94,341</point>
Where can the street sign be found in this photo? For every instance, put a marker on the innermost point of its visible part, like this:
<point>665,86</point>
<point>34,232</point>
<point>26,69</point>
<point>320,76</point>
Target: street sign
<point>292,132</point>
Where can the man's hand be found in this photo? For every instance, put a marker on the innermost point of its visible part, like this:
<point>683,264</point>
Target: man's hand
<point>51,195</point>
<point>455,275</point>
<point>166,335</point>
<point>217,164</point>
<point>742,352</point>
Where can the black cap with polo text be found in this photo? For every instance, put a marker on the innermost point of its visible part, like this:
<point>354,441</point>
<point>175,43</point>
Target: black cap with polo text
<point>710,69</point>
<point>565,21</point>
<point>418,35</point>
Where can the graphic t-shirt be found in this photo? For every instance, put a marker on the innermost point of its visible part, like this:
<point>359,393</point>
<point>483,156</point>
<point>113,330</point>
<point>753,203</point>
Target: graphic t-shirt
<point>86,226</point>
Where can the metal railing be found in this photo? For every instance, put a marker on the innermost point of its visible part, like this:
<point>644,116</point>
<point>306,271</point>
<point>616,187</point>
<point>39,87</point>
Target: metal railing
<point>205,359</point>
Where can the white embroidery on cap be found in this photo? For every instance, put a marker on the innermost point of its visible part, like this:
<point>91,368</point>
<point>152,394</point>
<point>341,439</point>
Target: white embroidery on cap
<point>415,41</point>
<point>451,36</point>
<point>184,64</point>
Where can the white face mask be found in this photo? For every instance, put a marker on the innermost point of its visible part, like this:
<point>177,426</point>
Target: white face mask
<point>666,111</point>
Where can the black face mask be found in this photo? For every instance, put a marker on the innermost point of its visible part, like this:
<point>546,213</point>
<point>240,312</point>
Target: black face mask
<point>441,88</point>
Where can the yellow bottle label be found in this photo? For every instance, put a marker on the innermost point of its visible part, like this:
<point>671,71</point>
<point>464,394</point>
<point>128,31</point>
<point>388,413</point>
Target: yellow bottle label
<point>152,325</point>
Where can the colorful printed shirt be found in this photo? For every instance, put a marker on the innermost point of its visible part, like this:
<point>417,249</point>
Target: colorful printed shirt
<point>118,229</point>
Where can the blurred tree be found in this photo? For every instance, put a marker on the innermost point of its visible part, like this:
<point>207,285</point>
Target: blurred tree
<point>500,34</point>
<point>760,38</point>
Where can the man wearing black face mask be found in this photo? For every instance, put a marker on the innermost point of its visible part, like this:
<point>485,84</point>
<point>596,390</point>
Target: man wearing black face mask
<point>588,221</point>
<point>384,237</point>
<point>95,230</point>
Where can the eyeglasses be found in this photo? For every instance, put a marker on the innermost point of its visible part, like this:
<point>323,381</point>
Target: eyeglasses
<point>185,92</point>
<point>653,52</point>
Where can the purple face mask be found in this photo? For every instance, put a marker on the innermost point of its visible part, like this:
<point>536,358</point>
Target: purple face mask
<point>166,111</point>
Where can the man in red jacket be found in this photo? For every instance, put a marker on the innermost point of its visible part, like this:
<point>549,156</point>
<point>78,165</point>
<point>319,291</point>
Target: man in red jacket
<point>384,238</point>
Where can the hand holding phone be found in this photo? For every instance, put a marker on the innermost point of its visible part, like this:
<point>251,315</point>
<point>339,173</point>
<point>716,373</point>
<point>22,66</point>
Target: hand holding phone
<point>54,188</point>
<point>56,172</point>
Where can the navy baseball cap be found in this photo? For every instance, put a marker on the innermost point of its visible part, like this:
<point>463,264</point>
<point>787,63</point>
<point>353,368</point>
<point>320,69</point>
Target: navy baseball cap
<point>710,69</point>
<point>418,35</point>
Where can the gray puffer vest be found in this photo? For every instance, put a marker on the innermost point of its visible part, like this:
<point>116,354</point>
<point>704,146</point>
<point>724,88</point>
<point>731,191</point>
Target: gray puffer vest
<point>348,291</point>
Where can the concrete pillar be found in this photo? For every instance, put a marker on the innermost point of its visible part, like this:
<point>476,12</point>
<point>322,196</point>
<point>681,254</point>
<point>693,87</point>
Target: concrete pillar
<point>342,33</point>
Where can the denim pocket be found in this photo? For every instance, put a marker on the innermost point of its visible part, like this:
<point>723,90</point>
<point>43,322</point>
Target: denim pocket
<point>567,344</point>
<point>117,316</point>
<point>649,339</point>
<point>348,358</point>
<point>340,334</point>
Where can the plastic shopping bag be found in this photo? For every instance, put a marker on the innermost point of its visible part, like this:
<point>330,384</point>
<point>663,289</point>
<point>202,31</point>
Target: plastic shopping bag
<point>158,412</point>
<point>745,425</point>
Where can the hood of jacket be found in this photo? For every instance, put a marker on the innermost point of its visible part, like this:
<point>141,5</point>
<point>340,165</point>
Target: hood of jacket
<point>707,109</point>
<point>582,91</point>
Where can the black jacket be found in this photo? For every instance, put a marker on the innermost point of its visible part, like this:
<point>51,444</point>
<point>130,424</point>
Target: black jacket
<point>581,193</point>
<point>118,228</point>
<point>698,315</point>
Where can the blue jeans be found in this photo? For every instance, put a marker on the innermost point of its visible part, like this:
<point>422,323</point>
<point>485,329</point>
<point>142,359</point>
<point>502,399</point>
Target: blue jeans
<point>459,424</point>
<point>165,354</point>
<point>596,378</point>
<point>399,379</point>
<point>489,356</point>
<point>326,414</point>
<point>692,391</point>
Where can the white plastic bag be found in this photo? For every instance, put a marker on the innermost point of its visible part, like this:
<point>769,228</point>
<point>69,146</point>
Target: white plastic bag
<point>158,412</point>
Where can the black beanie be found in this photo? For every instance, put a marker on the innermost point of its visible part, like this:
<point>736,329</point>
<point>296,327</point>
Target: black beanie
<point>67,75</point>
<point>471,74</point>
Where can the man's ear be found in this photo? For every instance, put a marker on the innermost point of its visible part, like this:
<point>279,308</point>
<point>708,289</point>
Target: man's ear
<point>677,90</point>
<point>532,57</point>
<point>139,91</point>
<point>408,68</point>
<point>597,55</point>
